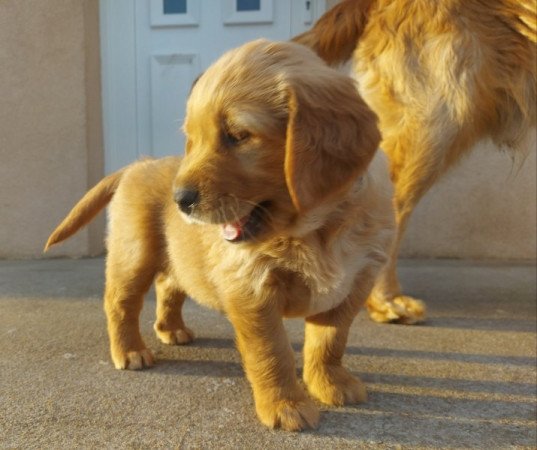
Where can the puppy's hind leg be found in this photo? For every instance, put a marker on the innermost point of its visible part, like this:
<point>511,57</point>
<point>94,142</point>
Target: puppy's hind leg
<point>169,326</point>
<point>127,280</point>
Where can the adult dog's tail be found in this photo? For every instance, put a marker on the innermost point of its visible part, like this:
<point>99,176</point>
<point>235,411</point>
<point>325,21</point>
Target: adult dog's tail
<point>335,35</point>
<point>86,209</point>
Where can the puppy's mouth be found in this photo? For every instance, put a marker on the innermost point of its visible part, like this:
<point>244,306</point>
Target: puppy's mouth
<point>248,226</point>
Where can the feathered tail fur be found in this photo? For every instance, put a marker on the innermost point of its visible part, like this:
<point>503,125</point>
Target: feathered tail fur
<point>335,35</point>
<point>86,209</point>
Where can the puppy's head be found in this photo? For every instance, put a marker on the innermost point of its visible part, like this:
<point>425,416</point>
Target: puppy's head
<point>272,133</point>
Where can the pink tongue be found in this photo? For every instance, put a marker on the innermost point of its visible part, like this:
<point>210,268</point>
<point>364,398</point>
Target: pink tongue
<point>232,231</point>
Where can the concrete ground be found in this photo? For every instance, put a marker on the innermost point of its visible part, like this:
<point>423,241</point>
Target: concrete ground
<point>466,378</point>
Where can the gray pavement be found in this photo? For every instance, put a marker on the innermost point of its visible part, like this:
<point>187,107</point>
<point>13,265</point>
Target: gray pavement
<point>465,379</point>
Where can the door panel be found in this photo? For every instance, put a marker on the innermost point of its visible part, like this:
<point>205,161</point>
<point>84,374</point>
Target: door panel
<point>153,50</point>
<point>170,78</point>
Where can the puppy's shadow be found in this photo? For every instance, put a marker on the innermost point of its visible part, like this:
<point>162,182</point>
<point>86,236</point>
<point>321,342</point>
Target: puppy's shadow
<point>215,343</point>
<point>407,419</point>
<point>210,357</point>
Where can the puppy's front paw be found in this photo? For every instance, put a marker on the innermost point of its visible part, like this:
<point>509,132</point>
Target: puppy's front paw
<point>401,309</point>
<point>290,415</point>
<point>181,336</point>
<point>133,360</point>
<point>334,385</point>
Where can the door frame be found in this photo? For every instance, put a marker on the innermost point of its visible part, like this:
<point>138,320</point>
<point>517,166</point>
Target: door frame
<point>119,79</point>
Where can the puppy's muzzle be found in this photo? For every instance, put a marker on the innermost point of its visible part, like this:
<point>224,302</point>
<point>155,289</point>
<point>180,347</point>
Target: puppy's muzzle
<point>186,199</point>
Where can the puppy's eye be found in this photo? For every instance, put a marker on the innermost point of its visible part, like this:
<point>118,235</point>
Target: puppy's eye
<point>233,138</point>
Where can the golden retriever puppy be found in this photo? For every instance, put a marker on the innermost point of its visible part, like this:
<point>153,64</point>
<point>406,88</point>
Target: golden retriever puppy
<point>440,75</point>
<point>280,208</point>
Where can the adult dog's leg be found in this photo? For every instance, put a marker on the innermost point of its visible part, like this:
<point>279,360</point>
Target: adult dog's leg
<point>415,166</point>
<point>169,326</point>
<point>386,302</point>
<point>270,367</point>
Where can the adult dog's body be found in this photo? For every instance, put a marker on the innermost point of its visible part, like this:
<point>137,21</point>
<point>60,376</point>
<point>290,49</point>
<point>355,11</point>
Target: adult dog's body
<point>285,212</point>
<point>440,75</point>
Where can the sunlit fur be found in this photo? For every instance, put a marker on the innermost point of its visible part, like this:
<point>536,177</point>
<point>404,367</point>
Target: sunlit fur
<point>441,75</point>
<point>310,151</point>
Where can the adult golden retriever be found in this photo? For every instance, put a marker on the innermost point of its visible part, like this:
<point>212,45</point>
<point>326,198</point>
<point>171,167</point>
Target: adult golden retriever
<point>440,75</point>
<point>281,208</point>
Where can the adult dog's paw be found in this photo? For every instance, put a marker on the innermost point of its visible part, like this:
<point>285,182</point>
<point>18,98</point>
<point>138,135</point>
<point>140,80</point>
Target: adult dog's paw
<point>290,415</point>
<point>181,336</point>
<point>133,360</point>
<point>334,385</point>
<point>401,309</point>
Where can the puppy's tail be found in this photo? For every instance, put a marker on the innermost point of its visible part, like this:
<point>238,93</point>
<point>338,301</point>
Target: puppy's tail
<point>335,35</point>
<point>86,209</point>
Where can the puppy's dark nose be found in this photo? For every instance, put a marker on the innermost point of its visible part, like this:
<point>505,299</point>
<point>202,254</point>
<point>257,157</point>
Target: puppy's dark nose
<point>186,199</point>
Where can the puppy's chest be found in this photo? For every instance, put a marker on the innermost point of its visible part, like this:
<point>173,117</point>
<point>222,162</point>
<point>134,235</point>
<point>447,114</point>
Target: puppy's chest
<point>309,277</point>
<point>333,280</point>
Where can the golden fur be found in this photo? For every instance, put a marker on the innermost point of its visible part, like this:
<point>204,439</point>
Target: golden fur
<point>440,75</point>
<point>271,130</point>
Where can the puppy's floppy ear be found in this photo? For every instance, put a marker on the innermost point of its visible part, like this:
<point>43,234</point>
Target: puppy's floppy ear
<point>332,136</point>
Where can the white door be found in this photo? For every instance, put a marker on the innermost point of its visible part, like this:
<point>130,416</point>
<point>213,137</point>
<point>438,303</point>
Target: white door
<point>152,50</point>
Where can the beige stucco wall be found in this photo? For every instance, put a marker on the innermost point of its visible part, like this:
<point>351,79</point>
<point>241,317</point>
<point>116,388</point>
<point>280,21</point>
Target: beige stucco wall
<point>485,208</point>
<point>50,138</point>
<point>51,150</point>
